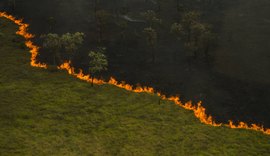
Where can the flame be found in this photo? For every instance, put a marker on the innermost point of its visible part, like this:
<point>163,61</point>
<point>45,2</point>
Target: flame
<point>23,31</point>
<point>198,110</point>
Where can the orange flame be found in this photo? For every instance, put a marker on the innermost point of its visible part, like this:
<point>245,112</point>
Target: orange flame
<point>23,31</point>
<point>199,110</point>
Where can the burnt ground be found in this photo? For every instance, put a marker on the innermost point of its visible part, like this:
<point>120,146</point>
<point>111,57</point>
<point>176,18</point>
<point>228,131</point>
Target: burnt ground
<point>225,82</point>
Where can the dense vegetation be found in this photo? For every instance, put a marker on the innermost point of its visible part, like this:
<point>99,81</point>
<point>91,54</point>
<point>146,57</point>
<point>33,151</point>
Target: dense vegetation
<point>50,113</point>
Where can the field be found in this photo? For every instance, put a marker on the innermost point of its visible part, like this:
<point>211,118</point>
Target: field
<point>47,112</point>
<point>233,82</point>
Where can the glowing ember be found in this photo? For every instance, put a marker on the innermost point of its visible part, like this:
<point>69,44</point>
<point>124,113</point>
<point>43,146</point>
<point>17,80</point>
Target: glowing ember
<point>199,110</point>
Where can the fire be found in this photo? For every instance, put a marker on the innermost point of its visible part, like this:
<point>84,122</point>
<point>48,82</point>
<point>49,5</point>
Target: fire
<point>23,31</point>
<point>198,110</point>
<point>66,66</point>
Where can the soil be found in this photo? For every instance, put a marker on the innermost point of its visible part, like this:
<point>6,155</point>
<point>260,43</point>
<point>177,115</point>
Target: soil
<point>233,83</point>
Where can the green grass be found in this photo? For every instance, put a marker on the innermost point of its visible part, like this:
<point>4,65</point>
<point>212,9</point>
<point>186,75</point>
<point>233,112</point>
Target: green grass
<point>52,113</point>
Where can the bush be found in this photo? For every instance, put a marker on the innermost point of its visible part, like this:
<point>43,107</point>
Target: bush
<point>1,34</point>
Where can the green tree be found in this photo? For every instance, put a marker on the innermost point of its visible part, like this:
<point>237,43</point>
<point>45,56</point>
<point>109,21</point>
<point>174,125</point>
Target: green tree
<point>179,6</point>
<point>123,25</point>
<point>178,30</point>
<point>51,22</point>
<point>197,37</point>
<point>52,42</point>
<point>206,39</point>
<point>151,37</point>
<point>201,39</point>
<point>102,18</point>
<point>188,20</point>
<point>151,18</point>
<point>98,62</point>
<point>71,42</point>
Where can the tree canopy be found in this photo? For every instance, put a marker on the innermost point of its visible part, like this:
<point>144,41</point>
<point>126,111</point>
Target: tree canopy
<point>71,42</point>
<point>98,62</point>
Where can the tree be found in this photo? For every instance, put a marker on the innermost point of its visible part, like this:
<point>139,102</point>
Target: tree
<point>151,18</point>
<point>102,18</point>
<point>12,4</point>
<point>206,39</point>
<point>151,37</point>
<point>124,10</point>
<point>150,32</point>
<point>179,6</point>
<point>95,7</point>
<point>198,36</point>
<point>178,30</point>
<point>188,19</point>
<point>51,22</point>
<point>201,38</point>
<point>159,4</point>
<point>123,25</point>
<point>98,62</point>
<point>116,7</point>
<point>71,42</point>
<point>52,42</point>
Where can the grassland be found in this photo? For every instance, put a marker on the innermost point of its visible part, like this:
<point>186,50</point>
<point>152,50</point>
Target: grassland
<point>51,113</point>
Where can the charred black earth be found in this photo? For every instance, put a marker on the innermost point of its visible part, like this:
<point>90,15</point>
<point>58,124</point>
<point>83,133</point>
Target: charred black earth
<point>233,82</point>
